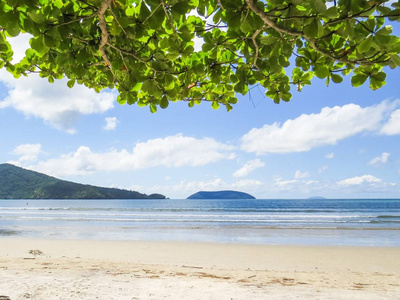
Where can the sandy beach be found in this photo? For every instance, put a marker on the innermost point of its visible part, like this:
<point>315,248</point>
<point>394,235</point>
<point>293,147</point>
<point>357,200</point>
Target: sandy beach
<point>83,269</point>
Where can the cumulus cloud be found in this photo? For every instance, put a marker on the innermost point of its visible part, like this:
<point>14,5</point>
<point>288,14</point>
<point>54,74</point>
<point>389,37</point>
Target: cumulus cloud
<point>184,188</point>
<point>314,130</point>
<point>55,103</point>
<point>111,123</point>
<point>330,155</point>
<point>357,180</point>
<point>172,152</point>
<point>28,152</point>
<point>383,159</point>
<point>392,127</point>
<point>298,174</point>
<point>249,167</point>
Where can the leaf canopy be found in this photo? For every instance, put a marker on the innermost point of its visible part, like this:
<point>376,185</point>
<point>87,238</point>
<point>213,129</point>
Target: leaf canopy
<point>157,51</point>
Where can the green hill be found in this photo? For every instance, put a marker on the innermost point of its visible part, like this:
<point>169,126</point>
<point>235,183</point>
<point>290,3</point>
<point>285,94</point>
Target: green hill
<point>221,195</point>
<point>19,183</point>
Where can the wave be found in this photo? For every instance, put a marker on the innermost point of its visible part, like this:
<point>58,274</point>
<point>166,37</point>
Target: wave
<point>185,220</point>
<point>388,217</point>
<point>244,210</point>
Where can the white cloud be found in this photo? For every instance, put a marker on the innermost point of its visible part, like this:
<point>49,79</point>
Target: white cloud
<point>360,180</point>
<point>19,44</point>
<point>185,188</point>
<point>283,183</point>
<point>314,130</point>
<point>299,174</point>
<point>383,159</point>
<point>172,152</point>
<point>28,152</point>
<point>330,155</point>
<point>111,123</point>
<point>246,184</point>
<point>249,167</point>
<point>323,168</point>
<point>55,103</point>
<point>392,127</point>
<point>311,182</point>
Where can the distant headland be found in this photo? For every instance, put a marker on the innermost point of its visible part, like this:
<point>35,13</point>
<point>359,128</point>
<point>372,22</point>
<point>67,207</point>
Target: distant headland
<point>221,195</point>
<point>19,183</point>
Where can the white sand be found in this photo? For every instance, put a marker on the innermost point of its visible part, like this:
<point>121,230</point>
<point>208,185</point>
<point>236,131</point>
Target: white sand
<point>121,270</point>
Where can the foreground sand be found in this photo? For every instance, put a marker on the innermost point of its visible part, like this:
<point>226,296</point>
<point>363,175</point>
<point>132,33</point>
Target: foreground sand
<point>66,269</point>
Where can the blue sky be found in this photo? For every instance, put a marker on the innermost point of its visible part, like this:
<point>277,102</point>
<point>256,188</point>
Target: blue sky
<point>334,141</point>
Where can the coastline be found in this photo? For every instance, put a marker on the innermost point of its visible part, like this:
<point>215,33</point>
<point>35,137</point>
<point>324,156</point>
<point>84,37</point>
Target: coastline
<point>86,269</point>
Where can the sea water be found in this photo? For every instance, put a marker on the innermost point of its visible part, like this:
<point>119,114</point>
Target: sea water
<point>352,222</point>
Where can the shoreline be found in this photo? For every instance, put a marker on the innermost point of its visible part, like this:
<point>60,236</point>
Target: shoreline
<point>66,269</point>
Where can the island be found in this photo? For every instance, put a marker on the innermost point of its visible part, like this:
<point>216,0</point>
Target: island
<point>19,183</point>
<point>221,195</point>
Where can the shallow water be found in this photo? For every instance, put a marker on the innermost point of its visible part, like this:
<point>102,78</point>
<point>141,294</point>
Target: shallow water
<point>360,222</point>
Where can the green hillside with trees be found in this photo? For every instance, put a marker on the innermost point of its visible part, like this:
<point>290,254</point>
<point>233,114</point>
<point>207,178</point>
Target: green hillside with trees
<point>19,183</point>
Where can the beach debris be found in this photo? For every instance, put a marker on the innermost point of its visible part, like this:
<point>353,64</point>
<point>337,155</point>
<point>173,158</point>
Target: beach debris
<point>5,298</point>
<point>193,267</point>
<point>36,252</point>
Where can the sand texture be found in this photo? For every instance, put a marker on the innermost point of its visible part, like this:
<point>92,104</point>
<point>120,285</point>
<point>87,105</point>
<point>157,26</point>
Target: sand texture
<point>68,269</point>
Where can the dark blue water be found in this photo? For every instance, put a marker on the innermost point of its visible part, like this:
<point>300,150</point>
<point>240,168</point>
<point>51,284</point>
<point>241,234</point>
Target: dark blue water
<point>323,222</point>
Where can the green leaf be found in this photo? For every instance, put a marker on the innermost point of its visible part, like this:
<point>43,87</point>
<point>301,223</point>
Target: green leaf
<point>181,7</point>
<point>246,27</point>
<point>164,102</point>
<point>153,108</point>
<point>37,16</point>
<point>396,59</point>
<point>71,83</point>
<point>331,13</point>
<point>358,80</point>
<point>336,78</point>
<point>318,6</point>
<point>130,11</point>
<point>365,45</point>
<point>268,40</point>
<point>313,29</point>
<point>215,105</point>
<point>380,76</point>
<point>144,12</point>
<point>49,41</point>
<point>37,44</point>
<point>321,71</point>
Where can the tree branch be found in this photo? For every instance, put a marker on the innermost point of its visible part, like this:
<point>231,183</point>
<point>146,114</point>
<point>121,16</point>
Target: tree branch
<point>266,19</point>
<point>104,33</point>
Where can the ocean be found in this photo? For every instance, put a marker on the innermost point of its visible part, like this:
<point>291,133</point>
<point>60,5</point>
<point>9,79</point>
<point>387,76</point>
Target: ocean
<point>327,222</point>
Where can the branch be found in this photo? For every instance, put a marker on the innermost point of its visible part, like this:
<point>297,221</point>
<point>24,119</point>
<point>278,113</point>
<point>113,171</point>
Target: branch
<point>263,15</point>
<point>253,38</point>
<point>104,33</point>
<point>220,4</point>
<point>252,5</point>
<point>171,22</point>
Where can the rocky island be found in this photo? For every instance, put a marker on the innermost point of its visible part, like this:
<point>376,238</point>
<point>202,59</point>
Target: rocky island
<point>221,195</point>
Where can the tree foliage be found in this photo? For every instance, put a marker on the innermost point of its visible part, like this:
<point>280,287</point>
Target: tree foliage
<point>146,49</point>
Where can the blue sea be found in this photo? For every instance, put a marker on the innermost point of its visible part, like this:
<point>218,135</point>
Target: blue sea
<point>355,222</point>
